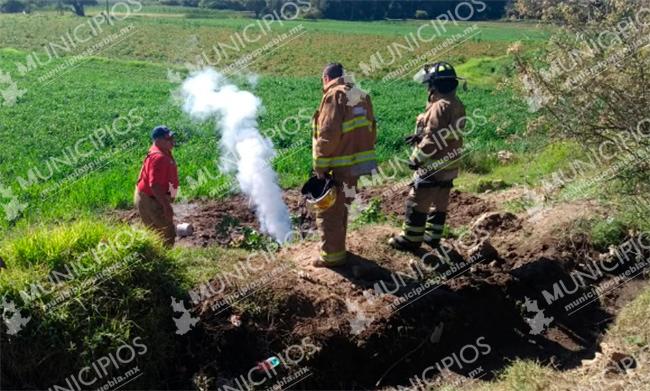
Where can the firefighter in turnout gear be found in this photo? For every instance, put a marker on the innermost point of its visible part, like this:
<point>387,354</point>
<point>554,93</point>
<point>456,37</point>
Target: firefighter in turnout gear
<point>343,144</point>
<point>437,148</point>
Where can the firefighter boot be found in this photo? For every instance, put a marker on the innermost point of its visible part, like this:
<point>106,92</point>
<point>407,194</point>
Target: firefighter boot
<point>412,231</point>
<point>433,231</point>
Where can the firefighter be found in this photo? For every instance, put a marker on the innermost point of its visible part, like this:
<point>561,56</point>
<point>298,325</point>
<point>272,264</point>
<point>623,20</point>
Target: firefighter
<point>437,147</point>
<point>343,144</point>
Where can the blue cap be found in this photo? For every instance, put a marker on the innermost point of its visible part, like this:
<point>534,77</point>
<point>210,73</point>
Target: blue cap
<point>161,132</point>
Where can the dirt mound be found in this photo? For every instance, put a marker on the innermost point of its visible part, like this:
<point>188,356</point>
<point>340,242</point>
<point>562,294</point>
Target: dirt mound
<point>505,289</point>
<point>463,207</point>
<point>224,222</point>
<point>547,233</point>
<point>389,318</point>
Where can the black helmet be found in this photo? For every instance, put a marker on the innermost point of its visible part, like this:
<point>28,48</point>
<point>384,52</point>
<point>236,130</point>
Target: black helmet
<point>442,70</point>
<point>441,76</point>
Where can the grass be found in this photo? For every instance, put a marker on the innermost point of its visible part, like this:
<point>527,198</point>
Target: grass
<point>631,328</point>
<point>128,98</point>
<point>607,233</point>
<point>491,31</point>
<point>127,80</point>
<point>88,289</point>
<point>158,10</point>
<point>367,214</point>
<point>202,264</point>
<point>527,168</point>
<point>627,214</point>
<point>486,71</point>
<point>301,53</point>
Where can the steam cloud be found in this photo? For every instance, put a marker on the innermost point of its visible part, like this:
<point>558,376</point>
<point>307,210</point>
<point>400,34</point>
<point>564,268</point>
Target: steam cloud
<point>245,151</point>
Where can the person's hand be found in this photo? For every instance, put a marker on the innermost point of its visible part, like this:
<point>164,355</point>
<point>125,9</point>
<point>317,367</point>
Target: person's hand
<point>413,139</point>
<point>321,173</point>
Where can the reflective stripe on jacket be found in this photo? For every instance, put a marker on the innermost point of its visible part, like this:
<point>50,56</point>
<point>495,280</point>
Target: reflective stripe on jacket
<point>441,125</point>
<point>345,130</point>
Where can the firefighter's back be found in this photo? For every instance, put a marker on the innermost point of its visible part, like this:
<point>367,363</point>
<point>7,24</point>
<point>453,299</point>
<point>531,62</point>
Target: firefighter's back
<point>359,131</point>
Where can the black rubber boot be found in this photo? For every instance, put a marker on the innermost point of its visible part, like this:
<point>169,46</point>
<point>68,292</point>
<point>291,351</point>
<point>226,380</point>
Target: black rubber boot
<point>400,243</point>
<point>434,228</point>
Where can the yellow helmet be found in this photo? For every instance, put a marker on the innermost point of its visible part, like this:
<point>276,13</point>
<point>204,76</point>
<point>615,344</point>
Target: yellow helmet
<point>319,193</point>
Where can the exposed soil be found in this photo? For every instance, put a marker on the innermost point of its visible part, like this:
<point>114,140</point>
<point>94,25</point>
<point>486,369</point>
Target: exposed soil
<point>222,222</point>
<point>463,207</point>
<point>388,316</point>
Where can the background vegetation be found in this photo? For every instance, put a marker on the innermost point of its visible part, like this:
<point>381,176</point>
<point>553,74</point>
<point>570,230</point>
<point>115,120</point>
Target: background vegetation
<point>141,73</point>
<point>106,86</point>
<point>330,9</point>
<point>595,90</point>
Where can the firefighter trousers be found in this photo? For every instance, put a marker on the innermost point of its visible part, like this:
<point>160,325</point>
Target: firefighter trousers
<point>333,222</point>
<point>426,212</point>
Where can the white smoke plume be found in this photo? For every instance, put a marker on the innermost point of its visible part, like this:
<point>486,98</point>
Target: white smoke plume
<point>245,151</point>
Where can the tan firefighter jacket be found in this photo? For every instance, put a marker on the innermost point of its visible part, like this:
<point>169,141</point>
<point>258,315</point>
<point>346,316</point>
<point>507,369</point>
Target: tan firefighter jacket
<point>440,126</point>
<point>345,131</point>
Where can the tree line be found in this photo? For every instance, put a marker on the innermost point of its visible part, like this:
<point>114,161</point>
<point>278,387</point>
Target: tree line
<point>332,9</point>
<point>365,9</point>
<point>17,6</point>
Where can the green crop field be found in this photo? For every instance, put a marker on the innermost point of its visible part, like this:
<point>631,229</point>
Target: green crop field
<point>179,40</point>
<point>62,105</point>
